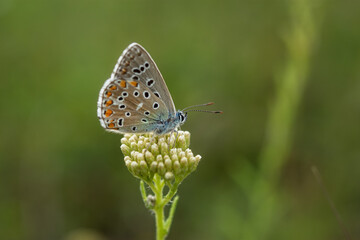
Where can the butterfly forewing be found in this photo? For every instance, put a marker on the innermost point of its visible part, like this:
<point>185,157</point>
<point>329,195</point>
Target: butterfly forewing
<point>136,64</point>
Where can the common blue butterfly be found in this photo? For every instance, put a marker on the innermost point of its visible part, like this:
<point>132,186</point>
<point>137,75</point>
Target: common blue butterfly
<point>135,99</point>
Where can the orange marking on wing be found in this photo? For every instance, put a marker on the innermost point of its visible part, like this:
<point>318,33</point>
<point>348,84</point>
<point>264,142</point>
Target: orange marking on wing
<point>123,71</point>
<point>108,94</point>
<point>111,125</point>
<point>109,102</point>
<point>113,87</point>
<point>123,84</point>
<point>108,113</point>
<point>135,84</point>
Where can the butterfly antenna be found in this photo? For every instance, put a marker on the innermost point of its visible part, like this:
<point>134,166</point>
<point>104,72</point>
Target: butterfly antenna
<point>199,105</point>
<point>198,110</point>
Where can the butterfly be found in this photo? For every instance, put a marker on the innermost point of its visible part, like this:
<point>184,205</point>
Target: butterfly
<point>135,99</point>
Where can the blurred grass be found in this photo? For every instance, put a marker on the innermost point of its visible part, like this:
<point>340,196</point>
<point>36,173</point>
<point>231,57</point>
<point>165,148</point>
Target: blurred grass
<point>60,172</point>
<point>265,205</point>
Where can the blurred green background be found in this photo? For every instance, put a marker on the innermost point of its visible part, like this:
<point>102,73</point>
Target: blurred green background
<point>285,73</point>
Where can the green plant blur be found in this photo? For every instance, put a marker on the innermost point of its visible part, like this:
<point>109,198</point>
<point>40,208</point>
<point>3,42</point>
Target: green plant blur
<point>285,72</point>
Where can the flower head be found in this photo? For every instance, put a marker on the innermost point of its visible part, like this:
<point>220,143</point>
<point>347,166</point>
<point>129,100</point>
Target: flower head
<point>168,156</point>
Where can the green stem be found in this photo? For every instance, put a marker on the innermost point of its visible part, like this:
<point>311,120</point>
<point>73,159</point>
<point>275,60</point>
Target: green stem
<point>143,192</point>
<point>162,224</point>
<point>171,214</point>
<point>159,208</point>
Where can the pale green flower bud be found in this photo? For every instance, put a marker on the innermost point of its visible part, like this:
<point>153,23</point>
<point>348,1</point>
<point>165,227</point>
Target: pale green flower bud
<point>182,142</point>
<point>133,146</point>
<point>155,149</point>
<point>141,145</point>
<point>159,158</point>
<point>140,157</point>
<point>187,138</point>
<point>164,148</point>
<point>171,140</point>
<point>161,168</point>
<point>174,158</point>
<point>188,153</point>
<point>143,168</point>
<point>133,154</point>
<point>133,138</point>
<point>125,149</point>
<point>135,167</point>
<point>181,155</point>
<point>193,163</point>
<point>184,164</point>
<point>125,141</point>
<point>149,157</point>
<point>177,167</point>
<point>173,151</point>
<point>168,163</point>
<point>169,176</point>
<point>127,160</point>
<point>153,167</point>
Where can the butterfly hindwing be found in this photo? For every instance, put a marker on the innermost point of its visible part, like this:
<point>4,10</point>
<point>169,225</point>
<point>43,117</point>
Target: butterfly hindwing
<point>136,64</point>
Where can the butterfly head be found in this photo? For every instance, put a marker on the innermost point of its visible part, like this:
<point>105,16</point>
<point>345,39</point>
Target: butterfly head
<point>181,117</point>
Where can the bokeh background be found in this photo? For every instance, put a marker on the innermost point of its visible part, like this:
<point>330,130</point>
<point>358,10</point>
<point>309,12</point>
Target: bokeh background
<point>286,73</point>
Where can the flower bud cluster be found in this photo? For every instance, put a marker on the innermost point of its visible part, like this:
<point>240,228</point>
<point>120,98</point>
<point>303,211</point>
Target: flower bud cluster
<point>168,155</point>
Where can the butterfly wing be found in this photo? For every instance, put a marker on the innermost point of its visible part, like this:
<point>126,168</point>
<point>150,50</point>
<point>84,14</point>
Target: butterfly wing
<point>129,107</point>
<point>136,64</point>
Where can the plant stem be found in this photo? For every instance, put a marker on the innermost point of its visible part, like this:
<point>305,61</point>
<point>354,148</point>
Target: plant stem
<point>162,224</point>
<point>160,230</point>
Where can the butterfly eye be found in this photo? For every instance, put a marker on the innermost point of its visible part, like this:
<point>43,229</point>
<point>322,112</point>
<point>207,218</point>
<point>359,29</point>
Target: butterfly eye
<point>155,105</point>
<point>182,118</point>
